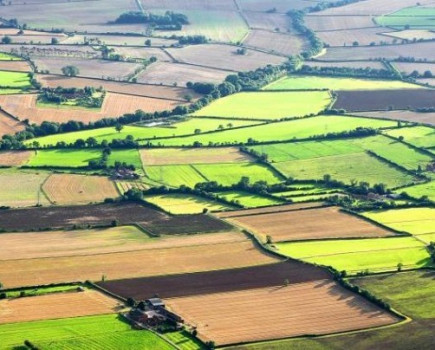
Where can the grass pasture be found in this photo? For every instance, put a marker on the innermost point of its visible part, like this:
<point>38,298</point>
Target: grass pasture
<point>422,190</point>
<point>417,17</point>
<point>68,158</point>
<point>251,105</point>
<point>174,175</point>
<point>91,332</point>
<point>419,136</point>
<point>312,82</point>
<point>7,57</point>
<point>249,200</point>
<point>14,80</point>
<point>353,256</point>
<point>185,204</point>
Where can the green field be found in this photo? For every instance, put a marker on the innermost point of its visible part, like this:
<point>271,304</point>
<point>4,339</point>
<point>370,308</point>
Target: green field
<point>183,128</point>
<point>419,191</point>
<point>416,221</point>
<point>185,341</point>
<point>346,168</point>
<point>312,82</point>
<point>415,17</point>
<point>129,156</point>
<point>7,57</point>
<point>229,174</point>
<point>419,136</point>
<point>267,105</point>
<point>94,332</point>
<point>185,204</point>
<point>281,131</point>
<point>174,175</point>
<point>40,291</point>
<point>20,188</point>
<point>355,255</point>
<point>70,158</point>
<point>249,200</point>
<point>14,80</point>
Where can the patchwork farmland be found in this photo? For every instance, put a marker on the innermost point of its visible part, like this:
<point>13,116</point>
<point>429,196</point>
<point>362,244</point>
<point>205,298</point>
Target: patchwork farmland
<point>234,174</point>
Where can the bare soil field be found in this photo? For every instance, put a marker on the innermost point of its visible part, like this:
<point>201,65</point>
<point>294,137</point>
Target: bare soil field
<point>421,68</point>
<point>78,189</point>
<point>420,51</point>
<point>15,158</point>
<point>143,53</point>
<point>282,6</point>
<point>221,281</point>
<point>332,23</point>
<point>103,215</point>
<point>119,40</point>
<point>364,36</point>
<point>9,125</point>
<point>372,7</point>
<point>346,64</point>
<point>224,57</point>
<point>55,306</point>
<point>174,73</point>
<point>131,264</point>
<point>408,116</point>
<point>25,107</point>
<point>318,307</point>
<point>275,209</point>
<point>50,244</point>
<point>156,91</point>
<point>268,21</point>
<point>192,156</point>
<point>15,66</point>
<point>309,224</point>
<point>90,68</point>
<point>385,99</point>
<point>280,43</point>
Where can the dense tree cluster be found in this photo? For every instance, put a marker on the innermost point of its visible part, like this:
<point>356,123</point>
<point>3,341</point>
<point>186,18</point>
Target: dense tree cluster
<point>168,21</point>
<point>316,45</point>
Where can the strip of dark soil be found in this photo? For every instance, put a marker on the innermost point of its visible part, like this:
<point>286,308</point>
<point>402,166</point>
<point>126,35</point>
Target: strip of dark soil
<point>378,100</point>
<point>276,274</point>
<point>103,215</point>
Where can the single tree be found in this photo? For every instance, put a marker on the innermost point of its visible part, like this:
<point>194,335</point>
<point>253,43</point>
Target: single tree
<point>70,71</point>
<point>119,127</point>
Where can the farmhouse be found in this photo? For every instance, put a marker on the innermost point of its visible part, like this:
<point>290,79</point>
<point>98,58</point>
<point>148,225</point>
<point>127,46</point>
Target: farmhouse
<point>152,313</point>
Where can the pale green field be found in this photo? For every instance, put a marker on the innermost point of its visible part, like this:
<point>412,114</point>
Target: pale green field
<point>282,131</point>
<point>420,136</point>
<point>91,333</point>
<point>415,221</point>
<point>174,175</point>
<point>249,200</point>
<point>312,82</point>
<point>229,174</point>
<point>185,204</point>
<point>375,255</point>
<point>183,128</point>
<point>418,191</point>
<point>347,168</point>
<point>14,79</point>
<point>7,57</point>
<point>267,105</point>
<point>414,17</point>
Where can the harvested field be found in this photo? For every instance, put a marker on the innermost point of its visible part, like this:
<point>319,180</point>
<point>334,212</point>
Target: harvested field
<point>65,52</point>
<point>363,36</point>
<point>308,224</point>
<point>273,42</point>
<point>117,40</point>
<point>9,125</point>
<point>90,68</point>
<point>411,34</point>
<point>130,264</point>
<point>277,209</point>
<point>166,92</point>
<point>419,51</point>
<point>224,57</point>
<point>124,186</point>
<point>282,6</point>
<point>332,23</point>
<point>385,99</point>
<point>278,312</point>
<point>346,64</point>
<point>177,156</point>
<point>55,306</point>
<point>78,189</point>
<point>408,116</point>
<point>223,5</point>
<point>142,53</point>
<point>16,66</point>
<point>268,21</point>
<point>51,244</point>
<point>221,281</point>
<point>114,105</point>
<point>104,214</point>
<point>409,68</point>
<point>170,73</point>
<point>14,158</point>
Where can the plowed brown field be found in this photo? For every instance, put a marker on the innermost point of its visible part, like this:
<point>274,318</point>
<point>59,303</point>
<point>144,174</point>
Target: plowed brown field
<point>16,66</point>
<point>319,307</point>
<point>78,189</point>
<point>309,224</point>
<point>59,305</point>
<point>139,263</point>
<point>192,156</point>
<point>15,158</point>
<point>9,125</point>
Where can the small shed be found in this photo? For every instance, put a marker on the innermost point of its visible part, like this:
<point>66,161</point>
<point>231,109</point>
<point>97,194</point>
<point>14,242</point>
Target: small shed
<point>155,303</point>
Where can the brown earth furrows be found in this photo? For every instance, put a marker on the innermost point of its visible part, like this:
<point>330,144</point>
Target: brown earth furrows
<point>15,158</point>
<point>318,307</point>
<point>8,125</point>
<point>16,66</point>
<point>309,224</point>
<point>175,286</point>
<point>59,305</point>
